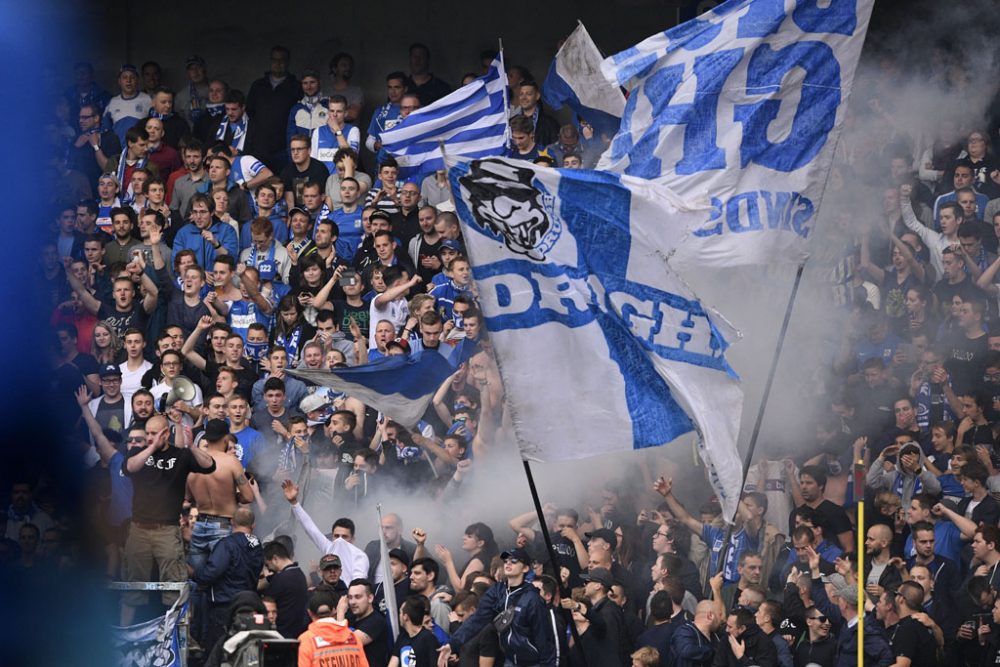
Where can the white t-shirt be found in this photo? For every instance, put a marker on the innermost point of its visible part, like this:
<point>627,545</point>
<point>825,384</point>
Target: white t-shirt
<point>396,311</point>
<point>132,380</point>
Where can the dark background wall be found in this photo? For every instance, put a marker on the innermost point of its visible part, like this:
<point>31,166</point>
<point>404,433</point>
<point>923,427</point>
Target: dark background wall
<point>235,37</point>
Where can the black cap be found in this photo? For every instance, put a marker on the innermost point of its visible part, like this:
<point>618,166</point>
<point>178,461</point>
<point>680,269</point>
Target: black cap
<point>379,213</point>
<point>194,60</point>
<point>400,555</point>
<point>518,554</point>
<point>109,370</point>
<point>600,575</point>
<point>605,534</point>
<point>215,430</point>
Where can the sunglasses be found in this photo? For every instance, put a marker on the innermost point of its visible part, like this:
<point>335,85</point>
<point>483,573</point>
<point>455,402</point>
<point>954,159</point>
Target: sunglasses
<point>136,438</point>
<point>513,560</point>
<point>821,619</point>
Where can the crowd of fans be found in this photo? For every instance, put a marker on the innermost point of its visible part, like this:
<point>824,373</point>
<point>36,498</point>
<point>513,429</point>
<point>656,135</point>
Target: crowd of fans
<point>206,240</point>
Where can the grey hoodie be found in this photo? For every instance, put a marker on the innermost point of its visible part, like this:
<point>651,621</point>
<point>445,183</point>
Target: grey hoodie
<point>902,482</point>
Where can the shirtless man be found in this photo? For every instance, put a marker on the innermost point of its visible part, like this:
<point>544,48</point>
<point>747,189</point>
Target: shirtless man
<point>216,495</point>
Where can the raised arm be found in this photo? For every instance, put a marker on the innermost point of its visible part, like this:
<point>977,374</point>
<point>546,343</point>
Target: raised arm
<point>104,447</point>
<point>86,298</point>
<point>152,293</point>
<point>986,282</point>
<point>521,524</point>
<point>966,526</point>
<point>665,487</point>
<point>291,491</point>
<point>323,295</point>
<point>187,349</point>
<point>397,291</point>
<point>928,236</point>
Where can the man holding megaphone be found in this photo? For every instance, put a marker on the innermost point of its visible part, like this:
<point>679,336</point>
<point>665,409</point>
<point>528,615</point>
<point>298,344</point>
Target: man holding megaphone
<point>175,390</point>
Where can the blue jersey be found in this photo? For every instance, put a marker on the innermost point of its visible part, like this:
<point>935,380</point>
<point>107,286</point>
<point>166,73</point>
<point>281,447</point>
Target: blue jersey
<point>445,295</point>
<point>738,543</point>
<point>385,118</point>
<point>242,314</point>
<point>325,144</point>
<point>122,114</point>
<point>249,442</point>
<point>245,168</point>
<point>351,231</point>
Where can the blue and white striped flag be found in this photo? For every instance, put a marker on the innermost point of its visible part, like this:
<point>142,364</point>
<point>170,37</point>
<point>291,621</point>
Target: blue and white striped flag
<point>471,121</point>
<point>741,108</point>
<point>601,346</point>
<point>575,80</point>
<point>399,386</point>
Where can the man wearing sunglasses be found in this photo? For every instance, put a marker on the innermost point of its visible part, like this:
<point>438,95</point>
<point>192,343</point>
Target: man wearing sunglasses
<point>819,647</point>
<point>519,614</point>
<point>159,476</point>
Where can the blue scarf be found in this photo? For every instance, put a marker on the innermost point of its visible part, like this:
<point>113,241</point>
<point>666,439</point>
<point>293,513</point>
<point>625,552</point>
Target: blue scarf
<point>255,259</point>
<point>239,130</point>
<point>128,196</point>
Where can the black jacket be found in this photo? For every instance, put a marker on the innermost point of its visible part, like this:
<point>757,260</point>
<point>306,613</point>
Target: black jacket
<point>822,653</point>
<point>233,566</point>
<point>759,651</point>
<point>268,108</point>
<point>607,623</point>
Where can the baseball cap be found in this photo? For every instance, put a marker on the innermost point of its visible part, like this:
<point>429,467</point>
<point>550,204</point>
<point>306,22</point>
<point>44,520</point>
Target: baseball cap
<point>215,430</point>
<point>841,588</point>
<point>380,214</point>
<point>298,209</point>
<point>451,244</point>
<point>400,555</point>
<point>312,402</point>
<point>600,575</point>
<point>110,370</point>
<point>789,627</point>
<point>314,73</point>
<point>194,60</point>
<point>328,561</point>
<point>128,67</point>
<point>267,270</point>
<point>517,554</point>
<point>605,534</point>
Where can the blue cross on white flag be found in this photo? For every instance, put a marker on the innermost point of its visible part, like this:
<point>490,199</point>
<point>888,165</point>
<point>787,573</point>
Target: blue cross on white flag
<point>471,121</point>
<point>600,346</point>
<point>741,108</point>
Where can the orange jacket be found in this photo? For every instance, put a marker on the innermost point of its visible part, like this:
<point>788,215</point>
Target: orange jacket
<point>329,643</point>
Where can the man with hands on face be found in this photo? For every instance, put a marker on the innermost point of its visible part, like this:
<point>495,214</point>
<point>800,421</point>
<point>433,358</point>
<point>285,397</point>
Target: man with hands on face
<point>908,476</point>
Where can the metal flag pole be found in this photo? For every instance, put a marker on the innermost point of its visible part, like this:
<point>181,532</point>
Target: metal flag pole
<point>723,554</point>
<point>506,90</point>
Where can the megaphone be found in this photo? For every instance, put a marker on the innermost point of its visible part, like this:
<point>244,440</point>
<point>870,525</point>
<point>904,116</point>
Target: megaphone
<point>182,389</point>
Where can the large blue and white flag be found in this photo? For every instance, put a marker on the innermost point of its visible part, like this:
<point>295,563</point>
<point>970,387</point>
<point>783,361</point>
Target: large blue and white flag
<point>575,79</point>
<point>742,108</point>
<point>471,121</point>
<point>399,386</point>
<point>601,347</point>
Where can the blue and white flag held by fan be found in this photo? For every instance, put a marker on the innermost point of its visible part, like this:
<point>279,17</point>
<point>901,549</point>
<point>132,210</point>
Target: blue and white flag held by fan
<point>741,107</point>
<point>575,79</point>
<point>471,121</point>
<point>601,347</point>
<point>399,386</point>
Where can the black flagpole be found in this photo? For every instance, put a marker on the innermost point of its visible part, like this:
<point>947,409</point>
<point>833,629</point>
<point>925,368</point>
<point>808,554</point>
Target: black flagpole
<point>563,589</point>
<point>760,413</point>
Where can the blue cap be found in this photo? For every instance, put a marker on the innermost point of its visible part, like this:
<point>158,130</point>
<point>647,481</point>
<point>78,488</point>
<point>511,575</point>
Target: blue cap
<point>453,245</point>
<point>267,270</point>
<point>128,67</point>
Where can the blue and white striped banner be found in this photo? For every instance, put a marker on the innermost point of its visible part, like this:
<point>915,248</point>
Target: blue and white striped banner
<point>601,347</point>
<point>471,121</point>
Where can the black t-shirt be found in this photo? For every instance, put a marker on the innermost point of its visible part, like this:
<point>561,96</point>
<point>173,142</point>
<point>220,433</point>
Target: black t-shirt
<point>375,626</point>
<point>965,360</point>
<point>246,377</point>
<point>135,318</point>
<point>159,487</point>
<point>912,639</point>
<point>290,591</point>
<point>86,363</point>
<point>417,651</point>
<point>834,519</point>
<point>295,179</point>
<point>358,313</point>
